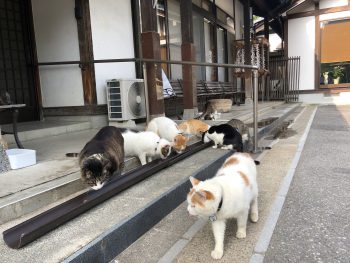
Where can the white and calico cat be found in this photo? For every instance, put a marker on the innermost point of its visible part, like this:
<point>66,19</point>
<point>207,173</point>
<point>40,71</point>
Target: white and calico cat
<point>232,193</point>
<point>145,145</point>
<point>168,129</point>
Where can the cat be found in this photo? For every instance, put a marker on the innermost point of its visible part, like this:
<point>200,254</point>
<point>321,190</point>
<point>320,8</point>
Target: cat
<point>168,129</point>
<point>209,112</point>
<point>102,157</point>
<point>243,129</point>
<point>195,127</point>
<point>230,194</point>
<point>224,135</point>
<point>144,145</point>
<point>5,99</point>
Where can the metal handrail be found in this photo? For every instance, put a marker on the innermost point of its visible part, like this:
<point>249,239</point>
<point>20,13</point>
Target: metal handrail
<point>190,63</point>
<point>119,60</point>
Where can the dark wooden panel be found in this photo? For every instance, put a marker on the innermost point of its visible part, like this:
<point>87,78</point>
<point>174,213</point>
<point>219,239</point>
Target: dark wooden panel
<point>82,13</point>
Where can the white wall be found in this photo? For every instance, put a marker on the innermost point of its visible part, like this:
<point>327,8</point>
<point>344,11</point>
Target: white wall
<point>57,40</point>
<point>331,16</point>
<point>301,42</point>
<point>275,42</point>
<point>332,3</point>
<point>112,38</point>
<point>225,5</point>
<point>239,20</point>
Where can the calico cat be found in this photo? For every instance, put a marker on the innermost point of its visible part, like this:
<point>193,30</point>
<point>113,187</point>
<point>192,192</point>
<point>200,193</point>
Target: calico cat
<point>230,194</point>
<point>102,157</point>
<point>168,129</point>
<point>144,145</point>
<point>224,135</point>
<point>243,129</point>
<point>195,127</point>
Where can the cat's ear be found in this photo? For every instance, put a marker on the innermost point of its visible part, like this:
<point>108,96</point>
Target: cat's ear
<point>206,195</point>
<point>194,181</point>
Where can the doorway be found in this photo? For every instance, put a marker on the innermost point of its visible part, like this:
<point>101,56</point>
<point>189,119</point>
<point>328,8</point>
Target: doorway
<point>17,59</point>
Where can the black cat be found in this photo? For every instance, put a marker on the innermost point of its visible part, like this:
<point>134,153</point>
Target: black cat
<point>102,157</point>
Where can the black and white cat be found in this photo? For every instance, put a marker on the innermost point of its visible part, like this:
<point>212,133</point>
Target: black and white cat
<point>145,144</point>
<point>102,157</point>
<point>224,135</point>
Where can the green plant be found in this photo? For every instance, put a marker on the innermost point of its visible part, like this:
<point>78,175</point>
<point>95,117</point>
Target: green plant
<point>338,72</point>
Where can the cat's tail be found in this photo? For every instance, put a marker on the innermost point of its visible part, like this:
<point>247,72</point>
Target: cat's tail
<point>72,154</point>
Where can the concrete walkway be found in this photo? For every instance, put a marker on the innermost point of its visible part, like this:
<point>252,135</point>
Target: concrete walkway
<point>310,223</point>
<point>314,225</point>
<point>173,241</point>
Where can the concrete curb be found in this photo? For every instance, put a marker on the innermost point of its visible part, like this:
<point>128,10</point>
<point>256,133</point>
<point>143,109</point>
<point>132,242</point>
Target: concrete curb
<point>270,224</point>
<point>111,243</point>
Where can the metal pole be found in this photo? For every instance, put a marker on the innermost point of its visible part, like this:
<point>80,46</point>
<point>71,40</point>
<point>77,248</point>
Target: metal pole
<point>255,109</point>
<point>146,91</point>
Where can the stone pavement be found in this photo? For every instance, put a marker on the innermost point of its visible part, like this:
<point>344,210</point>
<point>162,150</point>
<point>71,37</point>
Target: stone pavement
<point>314,225</point>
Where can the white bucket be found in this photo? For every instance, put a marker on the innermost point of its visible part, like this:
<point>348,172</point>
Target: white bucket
<point>20,158</point>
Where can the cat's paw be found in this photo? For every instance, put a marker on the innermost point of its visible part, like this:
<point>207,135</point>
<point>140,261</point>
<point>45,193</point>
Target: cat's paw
<point>254,217</point>
<point>217,254</point>
<point>215,146</point>
<point>241,234</point>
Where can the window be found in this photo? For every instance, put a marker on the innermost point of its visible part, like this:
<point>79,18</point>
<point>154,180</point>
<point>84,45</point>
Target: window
<point>335,53</point>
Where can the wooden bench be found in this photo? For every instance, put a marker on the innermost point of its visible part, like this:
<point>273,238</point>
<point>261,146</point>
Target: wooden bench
<point>14,108</point>
<point>230,91</point>
<point>214,89</point>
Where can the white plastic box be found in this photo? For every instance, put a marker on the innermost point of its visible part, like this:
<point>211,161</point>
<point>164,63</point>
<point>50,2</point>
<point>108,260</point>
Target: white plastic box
<point>20,158</point>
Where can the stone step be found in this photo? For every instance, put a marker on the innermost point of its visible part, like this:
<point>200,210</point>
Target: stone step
<point>28,131</point>
<point>17,204</point>
<point>120,214</point>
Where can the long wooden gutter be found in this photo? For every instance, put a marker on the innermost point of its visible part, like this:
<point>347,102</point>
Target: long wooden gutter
<point>35,227</point>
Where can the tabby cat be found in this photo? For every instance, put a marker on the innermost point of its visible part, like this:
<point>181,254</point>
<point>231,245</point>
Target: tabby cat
<point>243,129</point>
<point>102,157</point>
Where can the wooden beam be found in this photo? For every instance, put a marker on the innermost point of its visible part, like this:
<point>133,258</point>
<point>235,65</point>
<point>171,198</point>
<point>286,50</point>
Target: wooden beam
<point>37,84</point>
<point>82,15</point>
<point>319,12</point>
<point>89,110</point>
<point>266,28</point>
<point>247,47</point>
<point>188,54</point>
<point>246,13</point>
<point>150,42</point>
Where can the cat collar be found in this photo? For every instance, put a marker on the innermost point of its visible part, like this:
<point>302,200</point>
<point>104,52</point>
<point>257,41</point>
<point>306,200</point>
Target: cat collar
<point>213,217</point>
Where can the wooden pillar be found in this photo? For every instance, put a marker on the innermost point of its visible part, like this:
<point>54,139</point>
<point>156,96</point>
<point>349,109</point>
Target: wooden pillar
<point>188,54</point>
<point>247,48</point>
<point>82,14</point>
<point>266,28</point>
<point>151,49</point>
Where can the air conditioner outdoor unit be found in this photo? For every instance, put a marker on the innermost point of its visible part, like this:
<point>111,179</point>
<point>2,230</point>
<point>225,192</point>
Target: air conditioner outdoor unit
<point>126,99</point>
